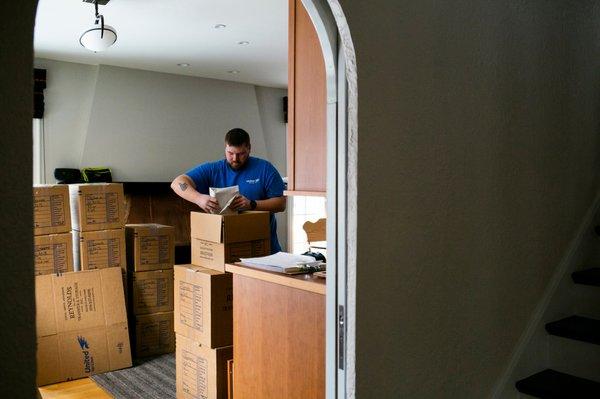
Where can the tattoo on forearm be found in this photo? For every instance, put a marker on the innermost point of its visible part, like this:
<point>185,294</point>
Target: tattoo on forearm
<point>183,186</point>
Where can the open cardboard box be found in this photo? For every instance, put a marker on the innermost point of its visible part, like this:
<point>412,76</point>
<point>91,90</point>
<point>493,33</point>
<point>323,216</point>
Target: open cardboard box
<point>221,239</point>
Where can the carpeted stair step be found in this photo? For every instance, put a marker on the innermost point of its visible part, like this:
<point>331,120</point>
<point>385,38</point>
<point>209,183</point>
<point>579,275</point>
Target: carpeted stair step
<point>551,384</point>
<point>587,277</point>
<point>576,327</point>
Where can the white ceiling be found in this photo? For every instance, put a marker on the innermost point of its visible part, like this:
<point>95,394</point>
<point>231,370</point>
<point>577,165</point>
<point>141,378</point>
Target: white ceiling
<point>156,35</point>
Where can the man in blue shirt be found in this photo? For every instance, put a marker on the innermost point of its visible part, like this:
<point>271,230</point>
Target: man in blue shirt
<point>261,186</point>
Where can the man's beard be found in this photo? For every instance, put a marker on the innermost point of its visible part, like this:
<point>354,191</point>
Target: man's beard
<point>236,165</point>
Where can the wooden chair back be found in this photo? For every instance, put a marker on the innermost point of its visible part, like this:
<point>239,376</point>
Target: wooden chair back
<point>316,231</point>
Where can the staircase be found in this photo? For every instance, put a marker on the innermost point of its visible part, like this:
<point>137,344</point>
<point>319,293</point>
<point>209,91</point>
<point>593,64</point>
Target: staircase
<point>549,383</point>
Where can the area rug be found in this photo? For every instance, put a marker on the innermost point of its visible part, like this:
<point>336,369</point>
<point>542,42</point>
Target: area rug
<point>152,378</point>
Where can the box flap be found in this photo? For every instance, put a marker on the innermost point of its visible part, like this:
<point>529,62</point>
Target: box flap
<point>78,301</point>
<point>44,304</point>
<point>205,226</point>
<point>119,350</point>
<point>247,226</point>
<point>83,353</point>
<point>85,339</point>
<point>181,270</point>
<point>112,292</point>
<point>48,360</point>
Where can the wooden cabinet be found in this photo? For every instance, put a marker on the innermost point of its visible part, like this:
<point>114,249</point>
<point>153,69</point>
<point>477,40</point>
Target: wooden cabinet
<point>307,102</point>
<point>278,335</point>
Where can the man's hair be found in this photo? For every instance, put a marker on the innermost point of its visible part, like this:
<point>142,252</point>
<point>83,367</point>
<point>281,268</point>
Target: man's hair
<point>237,137</point>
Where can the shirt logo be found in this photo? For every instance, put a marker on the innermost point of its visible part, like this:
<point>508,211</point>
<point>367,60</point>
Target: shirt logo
<point>252,181</point>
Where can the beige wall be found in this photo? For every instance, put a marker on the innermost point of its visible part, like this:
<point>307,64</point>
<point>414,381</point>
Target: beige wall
<point>478,157</point>
<point>165,124</point>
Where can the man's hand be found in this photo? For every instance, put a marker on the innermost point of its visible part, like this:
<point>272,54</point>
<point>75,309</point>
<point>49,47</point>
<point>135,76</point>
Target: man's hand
<point>183,186</point>
<point>208,203</point>
<point>240,203</point>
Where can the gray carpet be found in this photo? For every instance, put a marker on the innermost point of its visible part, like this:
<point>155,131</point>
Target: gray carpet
<point>152,378</point>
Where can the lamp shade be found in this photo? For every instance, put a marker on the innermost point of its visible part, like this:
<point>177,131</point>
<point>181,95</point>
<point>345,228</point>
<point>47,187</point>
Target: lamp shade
<point>95,39</point>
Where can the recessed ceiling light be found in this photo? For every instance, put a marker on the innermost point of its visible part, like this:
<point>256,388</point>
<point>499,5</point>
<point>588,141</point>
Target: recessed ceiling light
<point>220,26</point>
<point>234,71</point>
<point>244,43</point>
<point>183,65</point>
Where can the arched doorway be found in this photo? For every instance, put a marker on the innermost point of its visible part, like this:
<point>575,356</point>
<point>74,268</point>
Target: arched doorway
<point>340,65</point>
<point>342,195</point>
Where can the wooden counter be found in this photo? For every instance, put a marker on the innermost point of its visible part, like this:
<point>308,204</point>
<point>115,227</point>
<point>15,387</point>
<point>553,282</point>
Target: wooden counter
<point>278,334</point>
<point>306,282</point>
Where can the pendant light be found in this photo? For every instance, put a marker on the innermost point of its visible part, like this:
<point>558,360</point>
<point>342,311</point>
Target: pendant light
<point>99,37</point>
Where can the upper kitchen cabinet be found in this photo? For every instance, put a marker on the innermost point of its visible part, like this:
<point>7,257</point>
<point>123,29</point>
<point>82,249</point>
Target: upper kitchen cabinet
<point>306,131</point>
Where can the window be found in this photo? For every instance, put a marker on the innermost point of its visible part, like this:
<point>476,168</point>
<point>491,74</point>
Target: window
<point>39,162</point>
<point>304,209</point>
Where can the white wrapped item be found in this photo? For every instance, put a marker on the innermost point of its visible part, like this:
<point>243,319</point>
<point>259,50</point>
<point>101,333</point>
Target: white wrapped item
<point>225,196</point>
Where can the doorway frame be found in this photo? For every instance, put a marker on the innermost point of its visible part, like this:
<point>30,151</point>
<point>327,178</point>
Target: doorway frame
<point>342,150</point>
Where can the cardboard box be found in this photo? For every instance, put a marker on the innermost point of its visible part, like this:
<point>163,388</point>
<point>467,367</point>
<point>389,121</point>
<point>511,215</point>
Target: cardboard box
<point>97,206</point>
<point>150,247</point>
<point>53,253</point>
<point>99,249</point>
<point>201,372</point>
<point>51,212</point>
<point>204,305</point>
<point>151,292</point>
<point>153,334</point>
<point>220,239</point>
<point>81,325</point>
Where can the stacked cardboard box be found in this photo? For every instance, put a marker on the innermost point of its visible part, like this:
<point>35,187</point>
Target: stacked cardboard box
<point>98,217</point>
<point>204,299</point>
<point>203,326</point>
<point>53,251</point>
<point>220,239</point>
<point>81,325</point>
<point>81,320</point>
<point>150,258</point>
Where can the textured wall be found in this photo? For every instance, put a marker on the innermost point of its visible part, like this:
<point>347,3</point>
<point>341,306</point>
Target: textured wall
<point>68,102</point>
<point>17,313</point>
<point>270,106</point>
<point>478,156</point>
<point>164,124</point>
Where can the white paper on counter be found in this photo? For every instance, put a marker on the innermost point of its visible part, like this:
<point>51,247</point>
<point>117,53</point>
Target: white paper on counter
<point>280,262</point>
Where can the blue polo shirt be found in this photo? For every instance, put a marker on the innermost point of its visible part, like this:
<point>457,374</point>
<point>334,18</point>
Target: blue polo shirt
<point>258,180</point>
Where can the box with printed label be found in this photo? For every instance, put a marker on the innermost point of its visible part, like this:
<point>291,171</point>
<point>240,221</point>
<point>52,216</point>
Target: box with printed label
<point>150,292</point>
<point>201,372</point>
<point>81,325</point>
<point>150,246</point>
<point>97,206</point>
<point>53,253</point>
<point>204,305</point>
<point>153,334</point>
<point>220,239</point>
<point>51,211</point>
<point>99,249</point>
